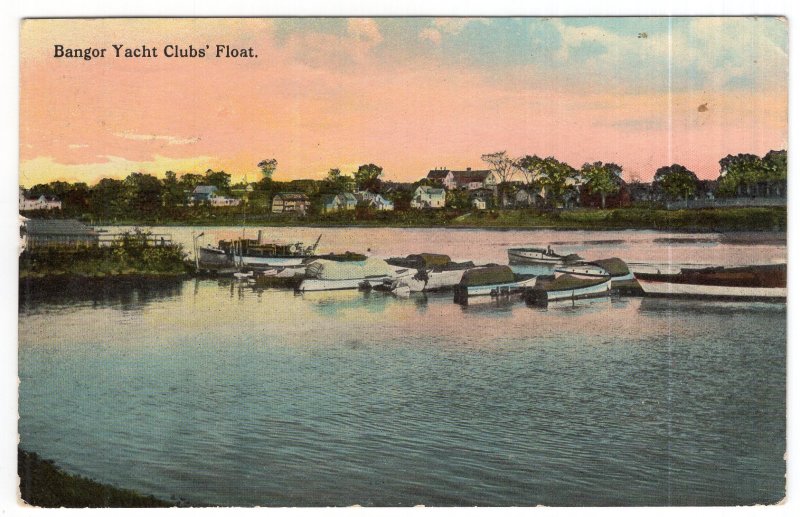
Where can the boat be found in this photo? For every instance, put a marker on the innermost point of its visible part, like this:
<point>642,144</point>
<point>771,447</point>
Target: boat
<point>253,254</point>
<point>492,281</point>
<point>615,268</point>
<point>567,287</point>
<point>539,256</point>
<point>434,272</point>
<point>763,282</point>
<point>328,275</point>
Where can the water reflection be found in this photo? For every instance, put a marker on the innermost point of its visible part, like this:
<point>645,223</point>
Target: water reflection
<point>127,294</point>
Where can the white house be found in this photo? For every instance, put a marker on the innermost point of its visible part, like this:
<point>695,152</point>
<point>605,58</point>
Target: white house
<point>38,203</point>
<point>374,200</point>
<point>467,179</point>
<point>208,193</point>
<point>428,197</point>
<point>338,202</point>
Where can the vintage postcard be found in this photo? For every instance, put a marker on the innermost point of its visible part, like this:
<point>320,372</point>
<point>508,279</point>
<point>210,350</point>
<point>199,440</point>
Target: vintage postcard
<point>400,261</point>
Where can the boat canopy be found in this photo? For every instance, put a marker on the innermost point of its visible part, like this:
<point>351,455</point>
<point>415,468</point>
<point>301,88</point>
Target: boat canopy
<point>487,275</point>
<point>331,270</point>
<point>614,266</point>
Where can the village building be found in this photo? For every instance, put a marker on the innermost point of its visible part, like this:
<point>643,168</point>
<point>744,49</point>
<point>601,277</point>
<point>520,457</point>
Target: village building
<point>339,202</point>
<point>467,179</point>
<point>290,203</point>
<point>40,233</point>
<point>527,198</point>
<point>428,197</point>
<point>38,203</point>
<point>208,193</point>
<point>373,200</point>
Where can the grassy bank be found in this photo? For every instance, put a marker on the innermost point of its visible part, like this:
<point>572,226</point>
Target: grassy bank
<point>44,484</point>
<point>125,258</point>
<point>696,220</point>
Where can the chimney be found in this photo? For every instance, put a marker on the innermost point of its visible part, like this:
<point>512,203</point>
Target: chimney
<point>469,169</point>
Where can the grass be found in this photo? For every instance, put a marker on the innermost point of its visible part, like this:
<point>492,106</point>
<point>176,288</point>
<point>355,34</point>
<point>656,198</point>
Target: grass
<point>44,484</point>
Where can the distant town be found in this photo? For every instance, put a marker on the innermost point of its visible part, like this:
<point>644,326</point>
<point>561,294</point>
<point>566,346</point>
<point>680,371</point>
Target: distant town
<point>504,183</point>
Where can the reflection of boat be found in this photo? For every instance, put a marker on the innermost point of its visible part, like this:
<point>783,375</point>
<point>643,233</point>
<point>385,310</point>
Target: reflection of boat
<point>327,275</point>
<point>568,287</point>
<point>757,282</point>
<point>615,268</point>
<point>252,253</point>
<point>492,281</point>
<point>539,256</point>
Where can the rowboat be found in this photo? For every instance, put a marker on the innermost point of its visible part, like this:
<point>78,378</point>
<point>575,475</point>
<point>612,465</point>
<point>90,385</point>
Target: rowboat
<point>492,281</point>
<point>326,275</point>
<point>763,282</point>
<point>539,256</point>
<point>568,287</point>
<point>615,268</point>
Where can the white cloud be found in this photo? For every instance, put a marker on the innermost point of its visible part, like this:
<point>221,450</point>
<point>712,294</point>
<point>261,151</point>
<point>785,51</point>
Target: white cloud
<point>170,140</point>
<point>364,29</point>
<point>77,146</point>
<point>430,34</point>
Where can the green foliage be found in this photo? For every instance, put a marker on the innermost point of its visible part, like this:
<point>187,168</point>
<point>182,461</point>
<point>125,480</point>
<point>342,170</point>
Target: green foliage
<point>45,485</point>
<point>676,181</point>
<point>367,177</point>
<point>268,167</point>
<point>558,179</point>
<point>602,178</point>
<point>738,173</point>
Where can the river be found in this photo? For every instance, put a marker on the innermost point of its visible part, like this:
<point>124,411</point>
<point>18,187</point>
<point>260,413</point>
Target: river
<point>222,394</point>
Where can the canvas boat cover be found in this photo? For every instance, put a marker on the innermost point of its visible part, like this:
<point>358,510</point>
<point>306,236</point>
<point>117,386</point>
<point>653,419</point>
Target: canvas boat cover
<point>487,276</point>
<point>566,282</point>
<point>614,266</point>
<point>332,270</point>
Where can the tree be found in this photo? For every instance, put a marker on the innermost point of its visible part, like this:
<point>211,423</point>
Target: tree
<point>107,198</point>
<point>189,181</point>
<point>531,168</point>
<point>219,179</point>
<point>336,183</point>
<point>558,179</point>
<point>503,168</point>
<point>676,181</point>
<point>268,167</point>
<point>602,178</point>
<point>142,194</point>
<point>171,192</point>
<point>367,177</point>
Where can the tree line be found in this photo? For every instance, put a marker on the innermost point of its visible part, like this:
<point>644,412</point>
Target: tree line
<point>141,195</point>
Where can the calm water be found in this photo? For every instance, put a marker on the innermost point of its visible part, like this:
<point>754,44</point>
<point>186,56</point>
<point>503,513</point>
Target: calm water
<point>221,394</point>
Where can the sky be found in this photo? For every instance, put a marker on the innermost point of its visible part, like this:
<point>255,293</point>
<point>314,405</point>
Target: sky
<point>408,94</point>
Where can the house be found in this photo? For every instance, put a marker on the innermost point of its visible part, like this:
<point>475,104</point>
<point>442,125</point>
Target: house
<point>526,198</point>
<point>337,202</point>
<point>39,233</point>
<point>208,193</point>
<point>374,200</point>
<point>428,197</point>
<point>481,198</point>
<point>290,203</point>
<point>38,203</point>
<point>467,179</point>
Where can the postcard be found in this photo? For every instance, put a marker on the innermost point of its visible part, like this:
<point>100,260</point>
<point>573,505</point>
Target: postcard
<point>401,261</point>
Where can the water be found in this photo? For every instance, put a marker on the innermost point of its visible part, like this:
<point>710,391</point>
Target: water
<point>221,394</point>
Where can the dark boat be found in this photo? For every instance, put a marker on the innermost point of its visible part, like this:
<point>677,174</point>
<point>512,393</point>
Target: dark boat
<point>742,282</point>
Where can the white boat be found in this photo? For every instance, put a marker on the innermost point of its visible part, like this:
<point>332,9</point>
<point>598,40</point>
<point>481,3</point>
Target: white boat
<point>568,287</point>
<point>327,275</point>
<point>539,256</point>
<point>613,267</point>
<point>743,282</point>
<point>426,281</point>
<point>492,281</point>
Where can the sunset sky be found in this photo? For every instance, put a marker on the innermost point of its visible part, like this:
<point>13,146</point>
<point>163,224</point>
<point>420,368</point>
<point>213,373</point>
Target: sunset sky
<point>409,94</point>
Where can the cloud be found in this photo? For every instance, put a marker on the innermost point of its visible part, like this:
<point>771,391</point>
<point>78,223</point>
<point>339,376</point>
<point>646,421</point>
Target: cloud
<point>170,140</point>
<point>77,146</point>
<point>365,30</point>
<point>453,25</point>
<point>431,35</point>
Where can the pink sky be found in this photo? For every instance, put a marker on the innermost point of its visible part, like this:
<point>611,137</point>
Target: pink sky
<point>317,99</point>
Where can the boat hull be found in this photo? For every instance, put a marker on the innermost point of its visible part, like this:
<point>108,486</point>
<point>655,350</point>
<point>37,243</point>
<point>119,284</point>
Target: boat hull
<point>517,256</point>
<point>462,293</point>
<point>577,293</point>
<point>662,288</point>
<point>316,284</point>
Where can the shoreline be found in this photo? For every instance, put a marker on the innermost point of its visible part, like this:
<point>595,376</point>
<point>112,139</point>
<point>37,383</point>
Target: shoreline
<point>43,484</point>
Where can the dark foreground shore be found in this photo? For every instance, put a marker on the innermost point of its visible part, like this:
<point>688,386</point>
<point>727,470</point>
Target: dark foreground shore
<point>44,484</point>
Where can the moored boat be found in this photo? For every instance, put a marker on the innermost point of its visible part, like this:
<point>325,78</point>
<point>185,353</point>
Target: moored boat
<point>766,282</point>
<point>539,256</point>
<point>567,287</point>
<point>433,272</point>
<point>492,281</point>
<point>327,275</point>
<point>614,268</point>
